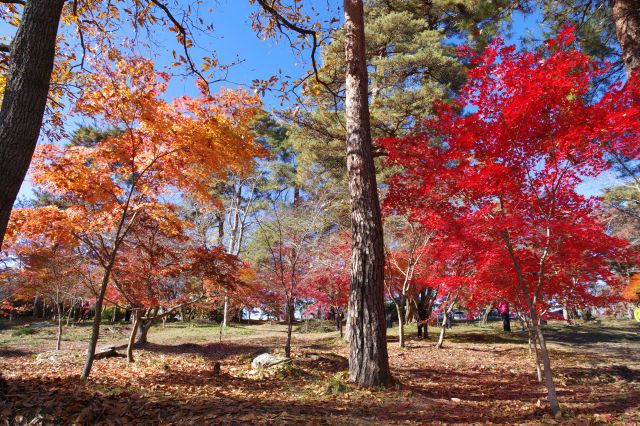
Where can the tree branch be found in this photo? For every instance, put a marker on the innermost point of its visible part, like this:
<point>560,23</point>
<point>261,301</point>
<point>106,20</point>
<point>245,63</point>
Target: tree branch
<point>281,20</point>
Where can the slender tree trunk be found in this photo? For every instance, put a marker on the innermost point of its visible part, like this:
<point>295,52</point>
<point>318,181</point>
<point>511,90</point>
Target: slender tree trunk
<point>59,339</point>
<point>400,325</point>
<point>95,330</point>
<point>113,314</point>
<point>485,315</point>
<point>35,307</point>
<point>132,339</point>
<point>290,312</point>
<point>445,320</point>
<point>225,315</point>
<point>368,358</point>
<point>626,16</point>
<point>25,96</point>
<point>533,350</point>
<point>546,363</point>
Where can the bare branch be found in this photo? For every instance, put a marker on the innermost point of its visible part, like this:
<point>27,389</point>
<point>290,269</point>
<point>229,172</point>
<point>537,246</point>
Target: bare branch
<point>183,38</point>
<point>281,20</point>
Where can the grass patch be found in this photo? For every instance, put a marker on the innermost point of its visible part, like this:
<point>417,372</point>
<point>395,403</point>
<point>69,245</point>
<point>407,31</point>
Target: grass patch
<point>23,331</point>
<point>316,326</point>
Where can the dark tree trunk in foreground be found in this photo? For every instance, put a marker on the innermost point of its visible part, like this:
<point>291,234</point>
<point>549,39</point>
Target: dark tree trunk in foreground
<point>25,97</point>
<point>626,16</point>
<point>368,359</point>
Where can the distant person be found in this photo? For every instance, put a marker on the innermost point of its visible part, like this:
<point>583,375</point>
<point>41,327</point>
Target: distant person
<point>338,318</point>
<point>389,319</point>
<point>503,310</point>
<point>422,318</point>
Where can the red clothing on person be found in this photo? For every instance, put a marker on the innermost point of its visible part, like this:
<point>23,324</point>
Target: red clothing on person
<point>503,308</point>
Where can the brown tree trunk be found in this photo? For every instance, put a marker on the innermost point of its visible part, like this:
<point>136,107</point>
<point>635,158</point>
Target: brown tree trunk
<point>95,329</point>
<point>145,325</point>
<point>25,97</point>
<point>485,315</point>
<point>548,377</point>
<point>368,358</point>
<point>533,348</point>
<point>626,16</point>
<point>59,339</point>
<point>290,313</point>
<point>132,339</point>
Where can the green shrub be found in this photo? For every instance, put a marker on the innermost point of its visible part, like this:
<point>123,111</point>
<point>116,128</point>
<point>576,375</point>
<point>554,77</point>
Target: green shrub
<point>337,384</point>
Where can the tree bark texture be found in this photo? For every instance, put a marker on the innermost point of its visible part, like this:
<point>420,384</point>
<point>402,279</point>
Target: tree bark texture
<point>368,358</point>
<point>626,16</point>
<point>25,97</point>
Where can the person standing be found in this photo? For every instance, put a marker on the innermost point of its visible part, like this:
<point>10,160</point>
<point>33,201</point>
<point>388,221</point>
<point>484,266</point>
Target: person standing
<point>503,310</point>
<point>422,318</point>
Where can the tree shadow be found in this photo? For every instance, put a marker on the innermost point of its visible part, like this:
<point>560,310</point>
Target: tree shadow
<point>14,353</point>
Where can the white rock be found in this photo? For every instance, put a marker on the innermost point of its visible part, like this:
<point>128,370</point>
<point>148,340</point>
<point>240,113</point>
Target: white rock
<point>268,360</point>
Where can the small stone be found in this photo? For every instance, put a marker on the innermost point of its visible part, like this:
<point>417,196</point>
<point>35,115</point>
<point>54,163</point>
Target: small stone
<point>456,399</point>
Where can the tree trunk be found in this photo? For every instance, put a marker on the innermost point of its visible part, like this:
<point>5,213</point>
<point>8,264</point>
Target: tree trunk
<point>143,330</point>
<point>145,325</point>
<point>533,349</point>
<point>225,315</point>
<point>95,330</point>
<point>400,324</point>
<point>35,307</point>
<point>548,377</point>
<point>485,315</point>
<point>626,16</point>
<point>445,320</point>
<point>290,312</point>
<point>25,97</point>
<point>132,339</point>
<point>368,358</point>
<point>59,339</point>
<point>113,314</point>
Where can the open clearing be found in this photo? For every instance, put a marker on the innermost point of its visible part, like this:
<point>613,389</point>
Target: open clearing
<point>481,376</point>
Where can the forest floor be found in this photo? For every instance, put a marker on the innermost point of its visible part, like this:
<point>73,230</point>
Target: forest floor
<point>481,376</point>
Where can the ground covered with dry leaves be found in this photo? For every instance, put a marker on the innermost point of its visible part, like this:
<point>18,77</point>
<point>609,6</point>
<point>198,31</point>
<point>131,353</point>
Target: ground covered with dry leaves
<point>481,376</point>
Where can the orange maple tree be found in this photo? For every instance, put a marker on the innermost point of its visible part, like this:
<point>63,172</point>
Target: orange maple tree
<point>161,150</point>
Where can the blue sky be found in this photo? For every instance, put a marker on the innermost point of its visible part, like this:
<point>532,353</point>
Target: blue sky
<point>233,39</point>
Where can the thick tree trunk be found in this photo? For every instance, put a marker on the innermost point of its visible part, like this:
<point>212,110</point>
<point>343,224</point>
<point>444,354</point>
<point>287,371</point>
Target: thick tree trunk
<point>368,358</point>
<point>145,325</point>
<point>626,16</point>
<point>143,330</point>
<point>25,97</point>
